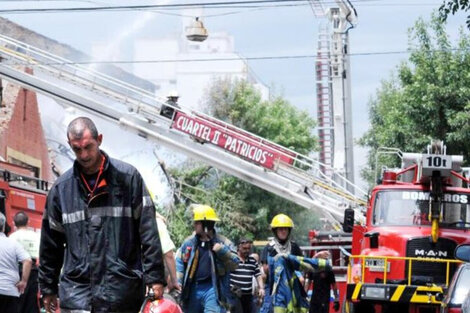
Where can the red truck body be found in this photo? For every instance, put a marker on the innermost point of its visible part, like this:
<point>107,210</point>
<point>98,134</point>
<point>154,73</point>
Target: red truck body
<point>20,191</point>
<point>403,256</point>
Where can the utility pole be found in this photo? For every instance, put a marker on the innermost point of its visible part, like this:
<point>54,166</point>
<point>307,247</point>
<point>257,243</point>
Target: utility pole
<point>342,18</point>
<point>334,107</point>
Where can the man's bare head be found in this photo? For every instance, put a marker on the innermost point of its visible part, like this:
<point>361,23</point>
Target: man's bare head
<point>77,127</point>
<point>85,142</point>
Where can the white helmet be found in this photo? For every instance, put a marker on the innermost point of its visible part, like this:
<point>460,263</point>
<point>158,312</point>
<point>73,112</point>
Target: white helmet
<point>173,94</point>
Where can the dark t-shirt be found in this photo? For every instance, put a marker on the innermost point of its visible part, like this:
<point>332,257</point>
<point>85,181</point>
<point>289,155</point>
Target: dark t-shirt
<point>90,179</point>
<point>322,282</point>
<point>270,251</point>
<point>203,272</point>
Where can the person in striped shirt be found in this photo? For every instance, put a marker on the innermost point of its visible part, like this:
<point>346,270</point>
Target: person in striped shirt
<point>241,279</point>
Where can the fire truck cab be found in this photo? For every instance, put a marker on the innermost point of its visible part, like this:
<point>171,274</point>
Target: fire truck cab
<point>21,191</point>
<point>403,257</point>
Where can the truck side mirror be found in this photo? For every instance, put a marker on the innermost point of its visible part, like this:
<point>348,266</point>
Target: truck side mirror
<point>348,221</point>
<point>462,252</point>
<point>374,239</point>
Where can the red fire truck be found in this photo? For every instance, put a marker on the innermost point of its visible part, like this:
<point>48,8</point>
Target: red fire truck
<point>21,191</point>
<point>403,257</point>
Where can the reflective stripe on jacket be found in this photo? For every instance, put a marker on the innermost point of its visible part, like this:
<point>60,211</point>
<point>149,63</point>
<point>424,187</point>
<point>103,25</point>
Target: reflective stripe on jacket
<point>288,295</point>
<point>226,260</point>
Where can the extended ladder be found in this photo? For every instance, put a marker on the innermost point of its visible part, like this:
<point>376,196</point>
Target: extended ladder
<point>249,157</point>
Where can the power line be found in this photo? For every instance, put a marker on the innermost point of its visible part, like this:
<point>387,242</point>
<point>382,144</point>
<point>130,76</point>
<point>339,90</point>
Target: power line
<point>269,57</point>
<point>163,11</point>
<point>144,7</point>
<point>226,4</point>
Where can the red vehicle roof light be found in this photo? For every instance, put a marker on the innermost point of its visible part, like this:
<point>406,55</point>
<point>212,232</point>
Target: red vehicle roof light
<point>389,178</point>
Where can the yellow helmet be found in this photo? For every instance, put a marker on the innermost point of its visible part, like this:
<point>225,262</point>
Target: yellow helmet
<point>204,213</point>
<point>282,220</point>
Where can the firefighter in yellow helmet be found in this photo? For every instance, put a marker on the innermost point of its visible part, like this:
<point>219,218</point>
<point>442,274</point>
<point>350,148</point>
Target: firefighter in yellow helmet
<point>203,265</point>
<point>281,226</point>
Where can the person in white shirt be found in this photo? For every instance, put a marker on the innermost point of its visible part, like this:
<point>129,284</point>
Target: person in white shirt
<point>168,248</point>
<point>29,239</point>
<point>11,253</point>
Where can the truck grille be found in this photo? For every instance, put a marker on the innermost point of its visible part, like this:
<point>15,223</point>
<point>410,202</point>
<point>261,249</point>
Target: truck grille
<point>430,272</point>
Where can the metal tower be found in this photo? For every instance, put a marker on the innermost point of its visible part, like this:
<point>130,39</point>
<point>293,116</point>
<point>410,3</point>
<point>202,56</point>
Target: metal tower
<point>333,84</point>
<point>324,101</point>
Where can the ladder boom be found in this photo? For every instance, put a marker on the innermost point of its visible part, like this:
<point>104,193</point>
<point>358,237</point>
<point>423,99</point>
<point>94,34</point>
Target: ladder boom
<point>247,156</point>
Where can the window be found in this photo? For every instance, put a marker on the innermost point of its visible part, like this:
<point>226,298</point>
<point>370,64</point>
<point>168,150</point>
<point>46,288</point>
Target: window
<point>410,207</point>
<point>35,171</point>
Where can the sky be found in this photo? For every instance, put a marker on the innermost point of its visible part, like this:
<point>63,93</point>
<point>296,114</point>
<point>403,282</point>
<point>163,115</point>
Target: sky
<point>278,31</point>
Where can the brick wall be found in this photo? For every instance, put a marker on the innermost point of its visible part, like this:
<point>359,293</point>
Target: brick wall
<point>21,133</point>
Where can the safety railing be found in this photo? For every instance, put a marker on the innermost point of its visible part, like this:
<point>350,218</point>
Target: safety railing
<point>383,265</point>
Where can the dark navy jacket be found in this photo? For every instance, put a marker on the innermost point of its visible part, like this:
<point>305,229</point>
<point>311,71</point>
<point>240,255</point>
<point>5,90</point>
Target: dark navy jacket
<point>108,245</point>
<point>224,260</point>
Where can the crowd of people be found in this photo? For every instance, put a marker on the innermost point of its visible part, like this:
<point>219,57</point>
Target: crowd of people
<point>103,248</point>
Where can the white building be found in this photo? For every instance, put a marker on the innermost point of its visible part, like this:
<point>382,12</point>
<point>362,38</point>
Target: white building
<point>189,67</point>
<point>182,65</point>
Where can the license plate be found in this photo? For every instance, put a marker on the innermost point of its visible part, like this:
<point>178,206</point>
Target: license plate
<point>377,265</point>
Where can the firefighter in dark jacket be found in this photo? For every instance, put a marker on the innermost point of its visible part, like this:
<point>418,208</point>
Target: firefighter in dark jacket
<point>203,265</point>
<point>99,228</point>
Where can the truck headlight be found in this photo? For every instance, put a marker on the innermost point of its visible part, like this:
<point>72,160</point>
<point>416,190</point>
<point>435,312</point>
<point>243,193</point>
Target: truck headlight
<point>375,292</point>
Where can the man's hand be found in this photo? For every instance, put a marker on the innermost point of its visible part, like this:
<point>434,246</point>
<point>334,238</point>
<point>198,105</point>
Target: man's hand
<point>176,293</point>
<point>261,293</point>
<point>177,287</point>
<point>158,290</point>
<point>50,303</point>
<point>281,255</point>
<point>217,246</point>
<point>336,306</point>
<point>21,286</point>
<point>322,255</point>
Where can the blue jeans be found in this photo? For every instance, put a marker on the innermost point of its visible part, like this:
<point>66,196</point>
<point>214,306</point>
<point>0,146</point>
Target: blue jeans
<point>202,299</point>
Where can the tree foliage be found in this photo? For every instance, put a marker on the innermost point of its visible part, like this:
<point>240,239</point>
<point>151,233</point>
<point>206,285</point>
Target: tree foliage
<point>452,7</point>
<point>427,98</point>
<point>201,184</point>
<point>239,103</point>
<point>244,209</point>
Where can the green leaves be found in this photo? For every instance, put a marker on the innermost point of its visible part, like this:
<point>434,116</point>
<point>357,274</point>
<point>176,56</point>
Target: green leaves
<point>428,98</point>
<point>239,103</point>
<point>244,209</point>
<point>452,7</point>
